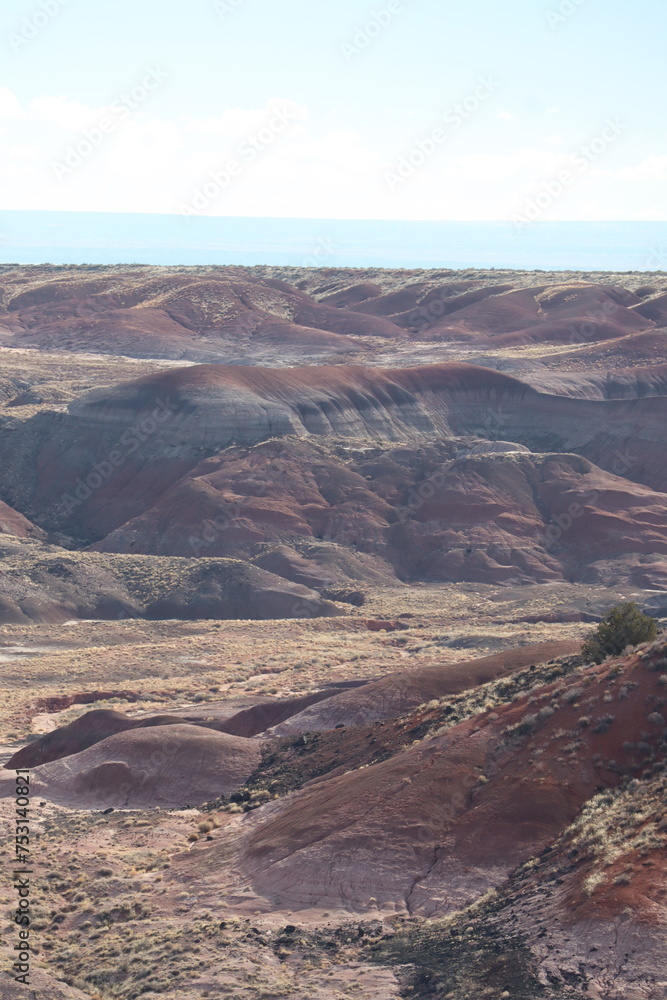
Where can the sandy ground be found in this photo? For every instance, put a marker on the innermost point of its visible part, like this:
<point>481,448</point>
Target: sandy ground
<point>160,666</point>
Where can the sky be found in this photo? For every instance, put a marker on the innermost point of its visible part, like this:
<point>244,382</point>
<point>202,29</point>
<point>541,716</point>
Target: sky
<point>336,109</point>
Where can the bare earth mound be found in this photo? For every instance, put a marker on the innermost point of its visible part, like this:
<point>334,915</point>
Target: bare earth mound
<point>286,519</point>
<point>437,825</point>
<point>398,693</point>
<point>169,766</point>
<point>95,726</point>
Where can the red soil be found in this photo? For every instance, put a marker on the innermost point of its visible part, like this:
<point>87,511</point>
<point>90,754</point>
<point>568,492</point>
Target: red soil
<point>487,518</point>
<point>170,765</point>
<point>183,315</point>
<point>13,523</point>
<point>399,693</point>
<point>434,826</point>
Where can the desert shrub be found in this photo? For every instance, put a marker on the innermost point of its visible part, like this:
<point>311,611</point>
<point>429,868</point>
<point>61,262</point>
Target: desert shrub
<point>522,728</point>
<point>603,724</point>
<point>527,724</point>
<point>624,625</point>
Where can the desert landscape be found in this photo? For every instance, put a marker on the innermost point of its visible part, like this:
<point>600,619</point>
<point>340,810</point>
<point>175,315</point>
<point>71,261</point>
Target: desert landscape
<point>297,565</point>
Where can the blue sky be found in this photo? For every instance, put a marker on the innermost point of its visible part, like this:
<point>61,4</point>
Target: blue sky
<point>413,109</point>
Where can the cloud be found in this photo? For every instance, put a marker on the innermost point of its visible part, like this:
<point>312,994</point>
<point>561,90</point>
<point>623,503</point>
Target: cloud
<point>653,168</point>
<point>495,167</point>
<point>151,163</point>
<point>235,123</point>
<point>10,108</point>
<point>60,112</point>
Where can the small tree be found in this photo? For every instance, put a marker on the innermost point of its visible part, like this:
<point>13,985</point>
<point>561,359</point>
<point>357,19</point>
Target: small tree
<point>625,625</point>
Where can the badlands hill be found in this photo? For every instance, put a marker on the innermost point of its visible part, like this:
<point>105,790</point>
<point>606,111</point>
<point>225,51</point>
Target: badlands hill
<point>45,583</point>
<point>511,830</point>
<point>386,698</point>
<point>433,827</point>
<point>490,790</point>
<point>176,766</point>
<point>200,315</point>
<point>509,833</point>
<point>227,314</point>
<point>295,567</point>
<point>327,475</point>
<point>482,427</point>
<point>438,824</point>
<point>15,524</point>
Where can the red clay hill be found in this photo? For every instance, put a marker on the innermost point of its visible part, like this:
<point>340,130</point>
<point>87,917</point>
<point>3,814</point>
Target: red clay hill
<point>385,698</point>
<point>436,825</point>
<point>443,472</point>
<point>227,313</point>
<point>13,523</point>
<point>166,765</point>
<point>199,314</point>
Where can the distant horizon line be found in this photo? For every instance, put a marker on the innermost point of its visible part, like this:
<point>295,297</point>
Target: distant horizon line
<point>322,218</point>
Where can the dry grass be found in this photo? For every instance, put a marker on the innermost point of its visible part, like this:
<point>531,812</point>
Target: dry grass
<point>167,664</point>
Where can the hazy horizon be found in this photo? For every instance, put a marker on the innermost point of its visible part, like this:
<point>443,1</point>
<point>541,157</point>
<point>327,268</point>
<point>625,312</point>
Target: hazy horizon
<point>77,238</point>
